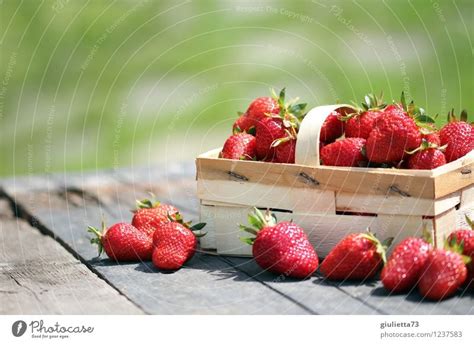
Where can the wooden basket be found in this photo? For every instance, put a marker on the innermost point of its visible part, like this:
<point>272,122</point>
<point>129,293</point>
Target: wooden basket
<point>330,202</point>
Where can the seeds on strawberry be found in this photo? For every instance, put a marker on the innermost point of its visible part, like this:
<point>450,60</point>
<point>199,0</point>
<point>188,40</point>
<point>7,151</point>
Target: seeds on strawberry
<point>281,248</point>
<point>240,146</point>
<point>346,152</point>
<point>122,242</point>
<point>358,256</point>
<point>151,214</point>
<point>244,124</point>
<point>445,271</point>
<point>392,136</point>
<point>262,107</point>
<point>361,122</point>
<point>405,265</point>
<point>458,135</point>
<point>174,243</point>
<point>426,157</point>
<point>332,128</point>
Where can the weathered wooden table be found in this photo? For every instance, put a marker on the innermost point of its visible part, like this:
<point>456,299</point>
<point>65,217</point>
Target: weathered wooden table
<point>48,266</point>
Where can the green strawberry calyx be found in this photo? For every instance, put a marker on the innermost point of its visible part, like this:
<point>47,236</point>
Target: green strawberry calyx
<point>426,145</point>
<point>147,203</point>
<point>463,117</point>
<point>98,235</point>
<point>417,113</point>
<point>258,221</point>
<point>380,247</point>
<point>457,247</point>
<point>291,113</point>
<point>178,218</point>
<point>371,102</point>
<point>469,221</point>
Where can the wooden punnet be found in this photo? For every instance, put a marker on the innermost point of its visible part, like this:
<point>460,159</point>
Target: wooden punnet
<point>330,202</point>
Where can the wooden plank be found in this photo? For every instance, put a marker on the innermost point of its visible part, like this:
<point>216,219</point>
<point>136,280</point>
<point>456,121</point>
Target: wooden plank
<point>206,285</point>
<point>316,294</point>
<point>322,178</point>
<point>301,200</point>
<point>396,204</point>
<point>443,225</point>
<point>38,276</point>
<point>449,180</point>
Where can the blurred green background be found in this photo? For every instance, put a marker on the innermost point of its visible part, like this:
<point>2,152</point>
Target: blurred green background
<point>103,84</point>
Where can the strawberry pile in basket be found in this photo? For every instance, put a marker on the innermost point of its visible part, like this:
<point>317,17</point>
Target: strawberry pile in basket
<point>397,135</point>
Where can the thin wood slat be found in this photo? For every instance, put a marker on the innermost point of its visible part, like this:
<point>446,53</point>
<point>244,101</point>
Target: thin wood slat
<point>38,276</point>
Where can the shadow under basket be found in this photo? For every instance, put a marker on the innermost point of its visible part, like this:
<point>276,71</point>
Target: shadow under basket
<point>330,202</point>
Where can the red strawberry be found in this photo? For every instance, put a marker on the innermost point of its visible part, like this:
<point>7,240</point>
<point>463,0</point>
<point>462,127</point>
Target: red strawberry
<point>464,238</point>
<point>276,134</point>
<point>285,151</point>
<point>332,128</point>
<point>361,123</point>
<point>244,124</point>
<point>346,152</point>
<point>149,215</point>
<point>356,257</point>
<point>122,242</point>
<point>261,107</point>
<point>174,244</point>
<point>431,135</point>
<point>458,135</point>
<point>282,248</point>
<point>405,265</point>
<point>426,157</point>
<point>269,129</point>
<point>394,133</point>
<point>239,147</point>
<point>445,271</point>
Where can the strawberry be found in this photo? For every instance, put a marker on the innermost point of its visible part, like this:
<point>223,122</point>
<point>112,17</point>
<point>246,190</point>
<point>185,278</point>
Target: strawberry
<point>346,152</point>
<point>174,244</point>
<point>431,134</point>
<point>332,128</point>
<point>149,214</point>
<point>464,237</point>
<point>269,129</point>
<point>426,157</point>
<point>361,123</point>
<point>458,135</point>
<point>282,248</point>
<point>394,133</point>
<point>285,151</point>
<point>358,256</point>
<point>276,133</point>
<point>405,265</point>
<point>122,242</point>
<point>240,146</point>
<point>244,124</point>
<point>261,107</point>
<point>445,271</point>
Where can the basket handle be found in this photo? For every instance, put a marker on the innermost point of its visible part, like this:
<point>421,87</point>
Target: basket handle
<point>307,144</point>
